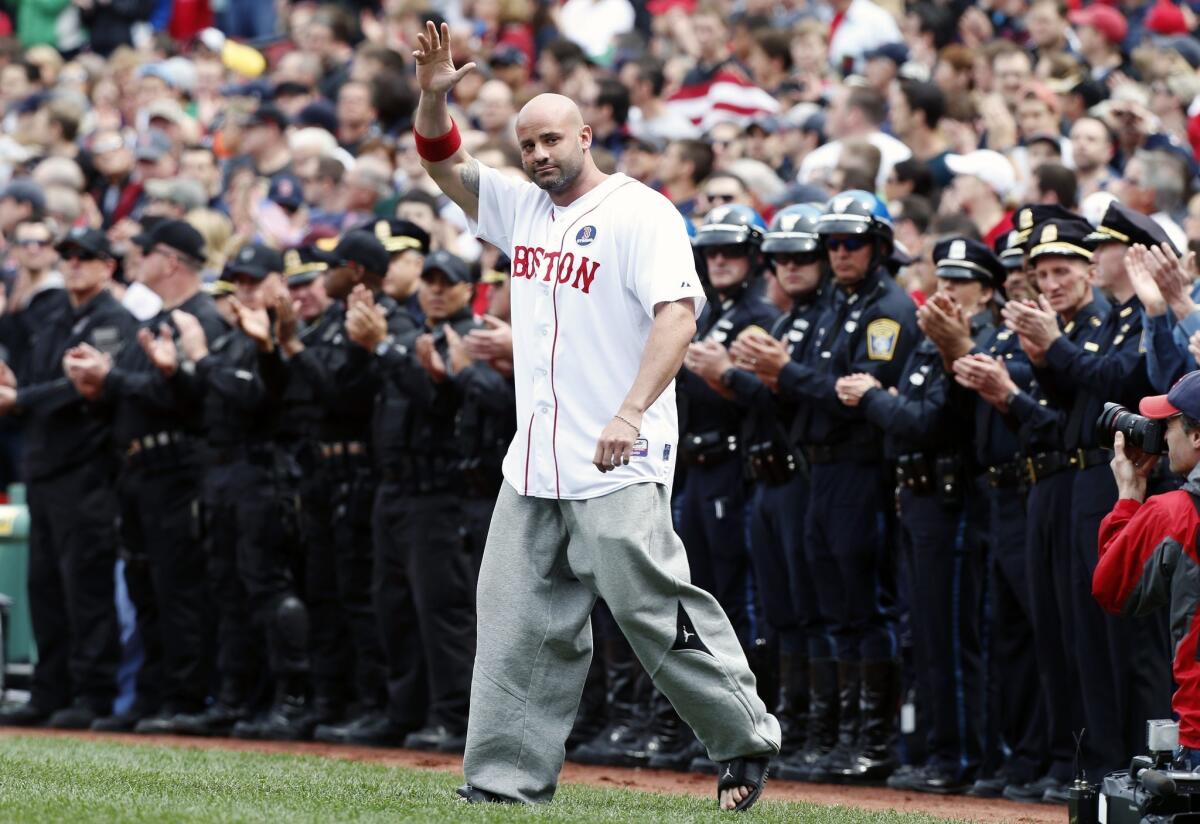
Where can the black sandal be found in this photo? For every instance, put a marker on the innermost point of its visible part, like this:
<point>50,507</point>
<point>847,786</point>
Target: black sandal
<point>474,795</point>
<point>743,772</point>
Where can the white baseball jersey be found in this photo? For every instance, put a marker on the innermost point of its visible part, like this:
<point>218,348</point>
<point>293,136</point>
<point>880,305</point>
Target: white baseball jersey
<point>585,280</point>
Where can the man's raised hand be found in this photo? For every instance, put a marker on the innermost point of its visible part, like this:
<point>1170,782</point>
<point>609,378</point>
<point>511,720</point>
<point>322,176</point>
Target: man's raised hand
<point>435,68</point>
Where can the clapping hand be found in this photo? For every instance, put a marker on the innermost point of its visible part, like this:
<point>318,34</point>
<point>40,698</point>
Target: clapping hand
<point>87,367</point>
<point>192,339</point>
<point>160,350</point>
<point>851,388</point>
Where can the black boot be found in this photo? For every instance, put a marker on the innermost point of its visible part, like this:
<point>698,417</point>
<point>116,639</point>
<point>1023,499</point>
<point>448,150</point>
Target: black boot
<point>822,727</point>
<point>232,705</point>
<point>619,743</point>
<point>831,766</point>
<point>669,744</point>
<point>593,706</point>
<point>875,760</point>
<point>289,718</point>
<point>792,709</point>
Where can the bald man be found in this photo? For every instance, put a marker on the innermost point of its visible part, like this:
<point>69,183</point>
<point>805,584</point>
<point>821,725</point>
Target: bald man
<point>604,302</point>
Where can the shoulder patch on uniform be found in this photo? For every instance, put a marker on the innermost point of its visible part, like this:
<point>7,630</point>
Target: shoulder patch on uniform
<point>882,336</point>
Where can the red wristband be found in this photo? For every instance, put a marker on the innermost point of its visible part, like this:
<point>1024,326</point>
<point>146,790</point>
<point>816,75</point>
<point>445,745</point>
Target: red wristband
<point>437,149</point>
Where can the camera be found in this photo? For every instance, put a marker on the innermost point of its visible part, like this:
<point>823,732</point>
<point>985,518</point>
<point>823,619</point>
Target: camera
<point>1147,435</point>
<point>1154,790</point>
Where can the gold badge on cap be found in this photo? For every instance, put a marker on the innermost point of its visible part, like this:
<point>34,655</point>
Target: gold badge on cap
<point>958,250</point>
<point>382,230</point>
<point>291,259</point>
<point>1025,219</point>
<point>1050,233</point>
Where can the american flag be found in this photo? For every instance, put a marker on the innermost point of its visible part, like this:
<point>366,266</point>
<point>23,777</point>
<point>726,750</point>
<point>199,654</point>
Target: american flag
<point>720,94</point>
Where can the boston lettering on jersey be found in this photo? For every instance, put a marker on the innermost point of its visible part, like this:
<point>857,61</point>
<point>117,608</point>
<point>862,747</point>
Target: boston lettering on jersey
<point>535,262</point>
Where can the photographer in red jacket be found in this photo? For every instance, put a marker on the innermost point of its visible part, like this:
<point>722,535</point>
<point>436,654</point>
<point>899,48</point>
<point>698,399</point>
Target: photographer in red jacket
<point>1148,552</point>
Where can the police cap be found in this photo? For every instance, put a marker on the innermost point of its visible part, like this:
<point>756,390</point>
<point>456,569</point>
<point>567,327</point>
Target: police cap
<point>1121,224</point>
<point>962,258</point>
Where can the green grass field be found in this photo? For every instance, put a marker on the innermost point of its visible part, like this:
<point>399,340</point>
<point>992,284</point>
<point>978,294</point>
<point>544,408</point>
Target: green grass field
<point>76,781</point>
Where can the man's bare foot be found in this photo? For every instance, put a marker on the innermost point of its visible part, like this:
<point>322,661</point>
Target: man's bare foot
<point>731,798</point>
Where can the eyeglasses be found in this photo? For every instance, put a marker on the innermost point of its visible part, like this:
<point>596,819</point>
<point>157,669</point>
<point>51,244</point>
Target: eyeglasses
<point>794,258</point>
<point>850,244</point>
<point>720,198</point>
<point>728,252</point>
<point>33,244</point>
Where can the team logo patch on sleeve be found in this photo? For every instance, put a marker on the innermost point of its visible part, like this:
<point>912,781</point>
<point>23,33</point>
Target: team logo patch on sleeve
<point>882,336</point>
<point>585,235</point>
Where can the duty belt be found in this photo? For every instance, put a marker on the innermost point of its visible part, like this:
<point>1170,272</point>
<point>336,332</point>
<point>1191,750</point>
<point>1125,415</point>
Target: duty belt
<point>339,449</point>
<point>154,441</point>
<point>707,448</point>
<point>1044,464</point>
<point>1008,475</point>
<point>1087,458</point>
<point>839,452</point>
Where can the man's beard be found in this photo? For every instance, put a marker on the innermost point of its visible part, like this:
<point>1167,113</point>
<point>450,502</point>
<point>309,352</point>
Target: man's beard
<point>557,183</point>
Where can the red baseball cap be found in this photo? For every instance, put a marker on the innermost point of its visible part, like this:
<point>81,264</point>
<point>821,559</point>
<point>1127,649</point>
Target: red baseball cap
<point>1184,397</point>
<point>1104,19</point>
<point>1165,17</point>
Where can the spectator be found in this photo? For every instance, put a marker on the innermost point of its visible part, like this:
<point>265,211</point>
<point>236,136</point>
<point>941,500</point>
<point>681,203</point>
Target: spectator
<point>1092,149</point>
<point>356,116</point>
<point>916,115</point>
<point>684,165</point>
<point>855,113</point>
<point>861,26</point>
<point>1102,30</point>
<point>649,116</point>
<point>595,24</point>
<point>605,108</point>
<point>1055,183</point>
<point>1155,183</point>
<point>983,180</point>
<point>909,177</point>
<point>263,142</point>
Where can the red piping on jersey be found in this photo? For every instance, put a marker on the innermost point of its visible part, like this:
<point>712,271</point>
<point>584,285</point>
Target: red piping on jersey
<point>554,343</point>
<point>528,444</point>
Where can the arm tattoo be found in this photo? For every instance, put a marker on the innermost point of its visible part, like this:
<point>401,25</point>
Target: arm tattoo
<point>470,177</point>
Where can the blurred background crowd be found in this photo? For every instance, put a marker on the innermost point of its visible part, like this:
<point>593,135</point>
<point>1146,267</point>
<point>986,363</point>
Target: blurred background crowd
<point>279,127</point>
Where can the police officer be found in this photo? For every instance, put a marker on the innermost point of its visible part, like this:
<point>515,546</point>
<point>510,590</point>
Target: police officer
<point>929,437</point>
<point>710,509</point>
<point>345,378</point>
<point>1080,371</point>
<point>158,430</point>
<point>785,581</point>
<point>434,501</point>
<point>72,503</point>
<point>298,436</point>
<point>407,244</point>
<point>869,327</point>
<point>1059,259</point>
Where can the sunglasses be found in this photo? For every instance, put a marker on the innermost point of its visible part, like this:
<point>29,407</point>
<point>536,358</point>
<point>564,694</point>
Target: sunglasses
<point>850,244</point>
<point>727,252</point>
<point>33,244</point>
<point>81,255</point>
<point>795,258</point>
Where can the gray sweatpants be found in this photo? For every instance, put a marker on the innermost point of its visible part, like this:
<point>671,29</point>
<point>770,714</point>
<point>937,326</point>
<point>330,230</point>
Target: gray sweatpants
<point>545,563</point>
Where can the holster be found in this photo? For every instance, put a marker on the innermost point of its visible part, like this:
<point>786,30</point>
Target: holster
<point>770,462</point>
<point>707,448</point>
